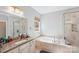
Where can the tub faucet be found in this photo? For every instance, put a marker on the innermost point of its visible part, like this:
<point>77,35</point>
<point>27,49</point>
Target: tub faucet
<point>53,39</point>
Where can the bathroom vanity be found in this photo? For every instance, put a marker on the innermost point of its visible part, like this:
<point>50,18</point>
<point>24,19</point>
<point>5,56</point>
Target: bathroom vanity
<point>22,46</point>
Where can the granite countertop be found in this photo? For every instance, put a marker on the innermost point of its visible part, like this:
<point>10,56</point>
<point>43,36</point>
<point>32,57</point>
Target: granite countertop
<point>9,46</point>
<point>16,43</point>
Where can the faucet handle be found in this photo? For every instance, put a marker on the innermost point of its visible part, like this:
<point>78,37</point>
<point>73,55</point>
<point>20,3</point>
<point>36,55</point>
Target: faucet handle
<point>64,37</point>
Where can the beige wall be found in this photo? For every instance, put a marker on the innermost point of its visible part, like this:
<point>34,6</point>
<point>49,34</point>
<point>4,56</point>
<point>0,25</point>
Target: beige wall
<point>2,29</point>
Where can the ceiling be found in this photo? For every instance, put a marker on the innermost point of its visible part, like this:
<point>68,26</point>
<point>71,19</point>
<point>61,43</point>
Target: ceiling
<point>48,9</point>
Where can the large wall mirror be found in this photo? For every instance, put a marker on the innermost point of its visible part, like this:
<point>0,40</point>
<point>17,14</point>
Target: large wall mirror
<point>19,27</point>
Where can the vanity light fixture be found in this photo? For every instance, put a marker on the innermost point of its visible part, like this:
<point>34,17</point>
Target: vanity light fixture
<point>11,9</point>
<point>15,10</point>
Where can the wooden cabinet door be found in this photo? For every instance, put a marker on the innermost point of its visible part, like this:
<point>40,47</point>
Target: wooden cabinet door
<point>25,48</point>
<point>32,46</point>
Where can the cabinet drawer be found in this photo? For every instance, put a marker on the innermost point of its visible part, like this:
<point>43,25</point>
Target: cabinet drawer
<point>16,50</point>
<point>24,46</point>
<point>26,50</point>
